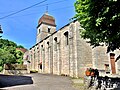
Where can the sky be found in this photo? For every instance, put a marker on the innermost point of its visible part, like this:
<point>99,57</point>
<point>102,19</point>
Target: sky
<point>19,18</point>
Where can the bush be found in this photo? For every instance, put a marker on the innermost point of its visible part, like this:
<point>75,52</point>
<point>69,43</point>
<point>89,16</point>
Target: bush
<point>33,71</point>
<point>1,68</point>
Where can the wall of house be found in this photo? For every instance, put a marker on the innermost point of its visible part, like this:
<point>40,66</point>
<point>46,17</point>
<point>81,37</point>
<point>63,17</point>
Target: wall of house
<point>83,51</point>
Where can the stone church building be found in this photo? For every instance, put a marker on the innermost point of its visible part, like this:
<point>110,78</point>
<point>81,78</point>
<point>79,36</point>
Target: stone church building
<point>64,52</point>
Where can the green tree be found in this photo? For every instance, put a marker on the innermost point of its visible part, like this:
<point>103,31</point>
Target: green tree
<point>100,20</point>
<point>19,59</point>
<point>9,54</point>
<point>20,46</point>
<point>6,58</point>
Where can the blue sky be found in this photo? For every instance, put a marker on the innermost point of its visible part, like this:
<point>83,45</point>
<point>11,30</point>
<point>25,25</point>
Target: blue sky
<point>21,27</point>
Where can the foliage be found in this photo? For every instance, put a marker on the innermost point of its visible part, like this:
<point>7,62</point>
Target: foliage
<point>20,46</point>
<point>33,71</point>
<point>100,20</point>
<point>9,54</point>
<point>18,57</point>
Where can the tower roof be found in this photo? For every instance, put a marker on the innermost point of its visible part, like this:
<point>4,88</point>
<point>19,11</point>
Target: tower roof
<point>47,19</point>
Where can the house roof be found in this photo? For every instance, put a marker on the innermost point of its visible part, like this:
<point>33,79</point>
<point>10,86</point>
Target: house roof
<point>47,19</point>
<point>22,49</point>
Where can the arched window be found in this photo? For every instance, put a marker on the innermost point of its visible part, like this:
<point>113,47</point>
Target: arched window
<point>55,43</point>
<point>42,47</point>
<point>48,43</point>
<point>48,30</point>
<point>38,31</point>
<point>66,38</point>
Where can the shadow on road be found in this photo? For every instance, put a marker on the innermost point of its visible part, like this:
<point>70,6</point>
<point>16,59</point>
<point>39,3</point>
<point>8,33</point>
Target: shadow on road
<point>12,80</point>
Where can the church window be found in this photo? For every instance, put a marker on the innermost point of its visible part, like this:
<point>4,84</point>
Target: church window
<point>55,43</point>
<point>38,31</point>
<point>42,47</point>
<point>66,38</point>
<point>37,47</point>
<point>48,30</point>
<point>48,43</point>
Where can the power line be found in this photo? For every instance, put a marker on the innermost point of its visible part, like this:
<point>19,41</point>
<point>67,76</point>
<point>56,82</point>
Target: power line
<point>22,10</point>
<point>57,9</point>
<point>36,6</point>
<point>43,12</point>
<point>31,7</point>
<point>52,3</point>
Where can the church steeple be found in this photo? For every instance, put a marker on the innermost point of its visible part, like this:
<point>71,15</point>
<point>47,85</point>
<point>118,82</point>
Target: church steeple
<point>46,26</point>
<point>47,9</point>
<point>47,19</point>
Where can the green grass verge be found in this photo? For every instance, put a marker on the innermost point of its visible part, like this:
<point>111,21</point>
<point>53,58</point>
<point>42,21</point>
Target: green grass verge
<point>79,86</point>
<point>78,83</point>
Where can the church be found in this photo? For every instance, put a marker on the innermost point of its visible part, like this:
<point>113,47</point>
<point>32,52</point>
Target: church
<point>64,52</point>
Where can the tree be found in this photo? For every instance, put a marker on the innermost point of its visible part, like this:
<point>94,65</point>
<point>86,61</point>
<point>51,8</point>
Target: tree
<point>6,58</point>
<point>20,46</point>
<point>18,57</point>
<point>9,54</point>
<point>101,22</point>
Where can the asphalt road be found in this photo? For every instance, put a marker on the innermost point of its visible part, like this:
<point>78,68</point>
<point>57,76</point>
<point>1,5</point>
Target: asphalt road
<point>36,82</point>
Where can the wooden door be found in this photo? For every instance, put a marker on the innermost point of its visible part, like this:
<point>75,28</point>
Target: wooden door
<point>112,61</point>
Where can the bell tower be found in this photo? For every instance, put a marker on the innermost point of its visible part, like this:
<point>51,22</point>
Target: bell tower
<point>46,26</point>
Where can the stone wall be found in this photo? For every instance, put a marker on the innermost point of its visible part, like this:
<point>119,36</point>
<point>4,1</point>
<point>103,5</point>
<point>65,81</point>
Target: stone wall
<point>65,52</point>
<point>15,69</point>
<point>60,52</point>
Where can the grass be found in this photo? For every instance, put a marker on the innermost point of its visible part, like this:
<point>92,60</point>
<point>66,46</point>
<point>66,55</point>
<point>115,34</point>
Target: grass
<point>78,83</point>
<point>79,86</point>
